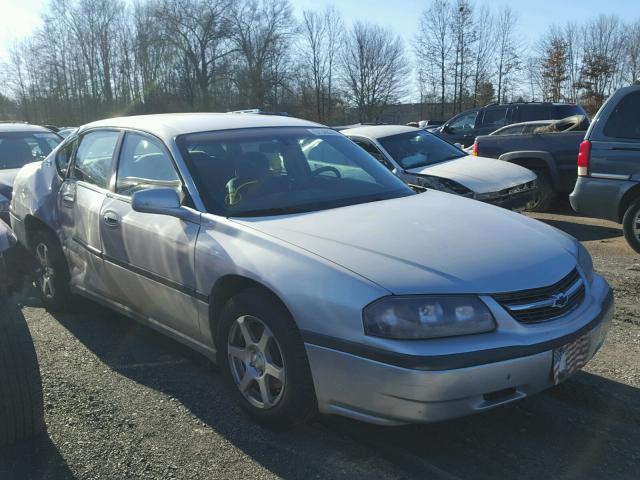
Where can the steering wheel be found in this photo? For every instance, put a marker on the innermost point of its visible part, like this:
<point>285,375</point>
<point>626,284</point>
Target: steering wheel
<point>327,168</point>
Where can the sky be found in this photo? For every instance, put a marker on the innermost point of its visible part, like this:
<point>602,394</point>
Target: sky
<point>18,18</point>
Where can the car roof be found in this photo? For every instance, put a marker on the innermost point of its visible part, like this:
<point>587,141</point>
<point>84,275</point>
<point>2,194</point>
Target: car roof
<point>22,127</point>
<point>170,125</point>
<point>380,131</point>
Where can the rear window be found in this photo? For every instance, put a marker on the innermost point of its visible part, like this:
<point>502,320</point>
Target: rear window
<point>19,148</point>
<point>624,121</point>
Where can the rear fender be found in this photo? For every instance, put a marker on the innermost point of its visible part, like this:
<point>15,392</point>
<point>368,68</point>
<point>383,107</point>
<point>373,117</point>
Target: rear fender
<point>535,160</point>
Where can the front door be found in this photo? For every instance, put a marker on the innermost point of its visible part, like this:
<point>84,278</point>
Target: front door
<point>80,201</point>
<point>149,258</point>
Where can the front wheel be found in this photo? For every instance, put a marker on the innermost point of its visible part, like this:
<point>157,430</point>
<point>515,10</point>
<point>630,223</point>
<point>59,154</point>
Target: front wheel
<point>53,273</point>
<point>264,361</point>
<point>631,225</point>
<point>545,196</point>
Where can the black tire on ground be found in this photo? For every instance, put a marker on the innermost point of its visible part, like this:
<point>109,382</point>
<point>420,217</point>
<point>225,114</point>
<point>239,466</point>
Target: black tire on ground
<point>297,403</point>
<point>58,297</point>
<point>631,225</point>
<point>21,404</point>
<point>546,195</point>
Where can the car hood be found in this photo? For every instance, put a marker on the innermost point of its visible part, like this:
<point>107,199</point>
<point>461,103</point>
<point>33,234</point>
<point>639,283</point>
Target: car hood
<point>479,174</point>
<point>432,242</point>
<point>6,181</point>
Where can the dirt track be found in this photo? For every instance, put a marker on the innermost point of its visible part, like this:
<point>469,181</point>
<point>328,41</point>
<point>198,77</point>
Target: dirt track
<point>124,402</point>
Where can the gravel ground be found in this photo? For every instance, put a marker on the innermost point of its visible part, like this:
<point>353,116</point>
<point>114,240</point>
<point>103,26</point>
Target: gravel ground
<point>122,401</point>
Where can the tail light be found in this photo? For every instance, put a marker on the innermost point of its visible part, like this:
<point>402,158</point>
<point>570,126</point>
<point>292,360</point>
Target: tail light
<point>584,155</point>
<point>474,152</point>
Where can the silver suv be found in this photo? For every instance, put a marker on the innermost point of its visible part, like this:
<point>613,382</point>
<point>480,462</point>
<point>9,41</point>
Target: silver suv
<point>315,278</point>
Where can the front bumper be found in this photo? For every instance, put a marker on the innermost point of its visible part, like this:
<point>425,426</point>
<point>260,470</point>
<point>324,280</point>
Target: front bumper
<point>370,390</point>
<point>516,201</point>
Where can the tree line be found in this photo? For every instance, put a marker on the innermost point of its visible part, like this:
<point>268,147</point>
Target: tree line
<point>98,58</point>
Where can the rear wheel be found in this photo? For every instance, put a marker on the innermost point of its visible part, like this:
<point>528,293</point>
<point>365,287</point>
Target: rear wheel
<point>21,405</point>
<point>264,361</point>
<point>53,273</point>
<point>631,225</point>
<point>545,197</point>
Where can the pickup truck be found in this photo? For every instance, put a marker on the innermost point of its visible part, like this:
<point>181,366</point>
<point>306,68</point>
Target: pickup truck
<point>550,151</point>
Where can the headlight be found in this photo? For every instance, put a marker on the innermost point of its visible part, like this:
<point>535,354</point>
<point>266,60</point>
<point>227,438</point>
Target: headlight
<point>444,185</point>
<point>419,317</point>
<point>483,197</point>
<point>585,262</point>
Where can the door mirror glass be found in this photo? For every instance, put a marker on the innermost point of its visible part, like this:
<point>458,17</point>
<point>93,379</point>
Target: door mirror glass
<point>161,201</point>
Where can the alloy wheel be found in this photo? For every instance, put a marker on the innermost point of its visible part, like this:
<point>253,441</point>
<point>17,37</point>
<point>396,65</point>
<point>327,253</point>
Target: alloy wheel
<point>47,272</point>
<point>256,362</point>
<point>636,225</point>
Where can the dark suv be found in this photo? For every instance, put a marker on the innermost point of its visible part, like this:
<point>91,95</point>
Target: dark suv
<point>608,183</point>
<point>466,126</point>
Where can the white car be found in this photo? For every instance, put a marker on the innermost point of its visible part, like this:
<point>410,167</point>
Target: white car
<point>423,160</point>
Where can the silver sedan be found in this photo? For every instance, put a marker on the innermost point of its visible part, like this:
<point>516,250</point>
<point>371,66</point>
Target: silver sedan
<point>315,277</point>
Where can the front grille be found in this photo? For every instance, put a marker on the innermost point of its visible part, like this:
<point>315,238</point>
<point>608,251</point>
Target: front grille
<point>545,303</point>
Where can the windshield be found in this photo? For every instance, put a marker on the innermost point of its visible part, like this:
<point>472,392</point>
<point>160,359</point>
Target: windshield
<point>272,171</point>
<point>419,149</point>
<point>19,148</point>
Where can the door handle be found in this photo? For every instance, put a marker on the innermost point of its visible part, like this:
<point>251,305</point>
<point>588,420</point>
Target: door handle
<point>111,219</point>
<point>68,199</point>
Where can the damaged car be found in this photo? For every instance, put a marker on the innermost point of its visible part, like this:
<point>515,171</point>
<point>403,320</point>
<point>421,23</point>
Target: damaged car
<point>423,160</point>
<point>21,143</point>
<point>308,278</point>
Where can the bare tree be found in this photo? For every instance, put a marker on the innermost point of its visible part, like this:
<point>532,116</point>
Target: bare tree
<point>433,43</point>
<point>508,49</point>
<point>260,31</point>
<point>200,31</point>
<point>483,54</point>
<point>632,53</point>
<point>375,69</point>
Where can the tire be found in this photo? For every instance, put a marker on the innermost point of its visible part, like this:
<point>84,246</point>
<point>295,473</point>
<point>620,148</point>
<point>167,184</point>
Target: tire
<point>293,398</point>
<point>21,403</point>
<point>546,195</point>
<point>53,277</point>
<point>631,225</point>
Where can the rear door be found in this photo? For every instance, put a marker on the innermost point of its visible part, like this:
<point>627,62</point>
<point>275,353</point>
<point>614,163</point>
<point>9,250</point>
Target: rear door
<point>615,142</point>
<point>80,200</point>
<point>492,119</point>
<point>149,258</point>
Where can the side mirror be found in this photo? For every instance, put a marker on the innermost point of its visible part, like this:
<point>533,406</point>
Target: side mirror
<point>161,201</point>
<point>459,145</point>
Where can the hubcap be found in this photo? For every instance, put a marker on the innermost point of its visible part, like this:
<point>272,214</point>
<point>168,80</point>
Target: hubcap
<point>47,272</point>
<point>636,225</point>
<point>256,362</point>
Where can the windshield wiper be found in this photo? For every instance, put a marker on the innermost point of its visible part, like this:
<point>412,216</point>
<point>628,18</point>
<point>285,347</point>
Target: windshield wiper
<point>267,212</point>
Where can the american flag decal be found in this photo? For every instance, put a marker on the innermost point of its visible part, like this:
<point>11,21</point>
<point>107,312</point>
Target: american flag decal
<point>570,358</point>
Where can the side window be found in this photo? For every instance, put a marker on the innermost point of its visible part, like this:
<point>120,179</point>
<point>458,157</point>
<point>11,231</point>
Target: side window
<point>93,158</point>
<point>373,151</point>
<point>63,157</point>
<point>534,112</point>
<point>466,121</point>
<point>144,164</point>
<point>512,130</point>
<point>494,117</point>
<point>624,121</point>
